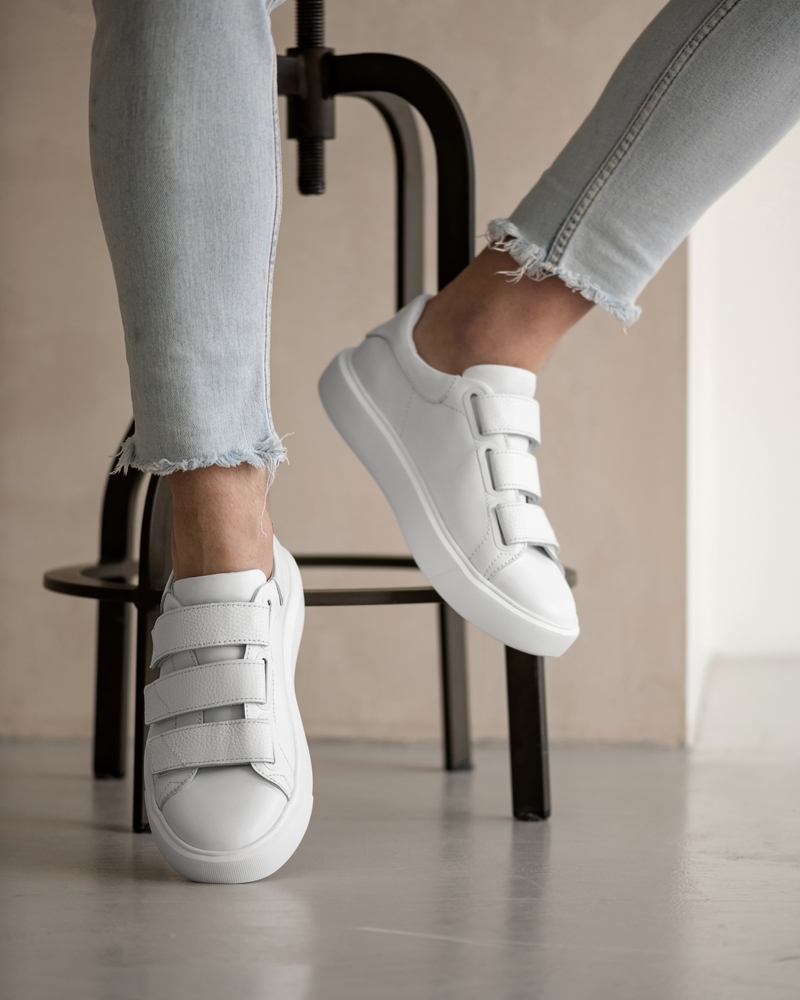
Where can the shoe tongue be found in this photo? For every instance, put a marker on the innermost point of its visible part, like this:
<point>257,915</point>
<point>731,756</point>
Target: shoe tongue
<point>503,379</point>
<point>218,587</point>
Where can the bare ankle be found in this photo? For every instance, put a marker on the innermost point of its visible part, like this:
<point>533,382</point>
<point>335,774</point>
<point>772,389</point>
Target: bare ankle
<point>220,524</point>
<point>482,318</point>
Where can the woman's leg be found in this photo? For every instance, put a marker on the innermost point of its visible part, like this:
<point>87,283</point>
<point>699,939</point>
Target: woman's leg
<point>707,89</point>
<point>186,162</point>
<point>438,403</point>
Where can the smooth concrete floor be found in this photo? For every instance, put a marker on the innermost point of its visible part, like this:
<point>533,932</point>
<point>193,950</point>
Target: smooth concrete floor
<point>658,876</point>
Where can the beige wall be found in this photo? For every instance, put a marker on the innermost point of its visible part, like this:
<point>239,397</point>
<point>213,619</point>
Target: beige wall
<point>613,459</point>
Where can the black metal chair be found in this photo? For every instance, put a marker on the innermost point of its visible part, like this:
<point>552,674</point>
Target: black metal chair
<point>311,76</point>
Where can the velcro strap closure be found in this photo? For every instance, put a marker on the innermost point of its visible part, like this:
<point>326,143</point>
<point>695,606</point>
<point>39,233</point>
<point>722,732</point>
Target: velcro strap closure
<point>204,625</point>
<point>526,523</point>
<point>211,685</point>
<point>500,414</point>
<point>515,470</point>
<point>212,744</point>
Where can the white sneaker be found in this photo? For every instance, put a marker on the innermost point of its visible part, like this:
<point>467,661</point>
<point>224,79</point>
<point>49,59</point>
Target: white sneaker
<point>453,456</point>
<point>228,780</point>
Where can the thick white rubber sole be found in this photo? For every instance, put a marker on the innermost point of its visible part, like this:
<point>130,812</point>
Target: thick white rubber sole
<point>377,445</point>
<point>270,852</point>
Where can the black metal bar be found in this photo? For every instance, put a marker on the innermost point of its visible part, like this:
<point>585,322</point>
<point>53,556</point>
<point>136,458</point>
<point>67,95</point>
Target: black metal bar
<point>527,732</point>
<point>78,581</point>
<point>410,215</point>
<point>146,619</point>
<point>310,22</point>
<point>455,171</point>
<point>113,629</point>
<point>345,597</point>
<point>84,581</point>
<point>311,108</point>
<point>311,166</point>
<point>111,690</point>
<point>455,695</point>
<point>387,562</point>
<point>119,500</point>
<point>147,612</point>
<point>290,79</point>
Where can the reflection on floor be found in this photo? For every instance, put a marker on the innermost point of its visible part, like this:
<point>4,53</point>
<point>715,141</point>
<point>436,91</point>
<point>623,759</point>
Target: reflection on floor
<point>659,877</point>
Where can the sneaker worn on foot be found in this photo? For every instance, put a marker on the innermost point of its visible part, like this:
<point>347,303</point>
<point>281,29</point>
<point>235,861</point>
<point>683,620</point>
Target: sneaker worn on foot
<point>227,770</point>
<point>452,454</point>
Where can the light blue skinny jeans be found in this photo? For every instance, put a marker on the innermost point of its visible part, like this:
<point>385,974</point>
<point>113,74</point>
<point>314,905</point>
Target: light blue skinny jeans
<point>186,161</point>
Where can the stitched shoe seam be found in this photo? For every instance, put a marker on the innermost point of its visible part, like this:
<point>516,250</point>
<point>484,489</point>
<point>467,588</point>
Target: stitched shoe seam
<point>505,559</point>
<point>487,535</point>
<point>455,409</point>
<point>208,762</point>
<point>405,415</point>
<point>168,792</point>
<point>280,780</point>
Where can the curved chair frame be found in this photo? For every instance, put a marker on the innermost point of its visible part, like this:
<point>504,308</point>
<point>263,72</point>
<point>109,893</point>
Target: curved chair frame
<point>311,76</point>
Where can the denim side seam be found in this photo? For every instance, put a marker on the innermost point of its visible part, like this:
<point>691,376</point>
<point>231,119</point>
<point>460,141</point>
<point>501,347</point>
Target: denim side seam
<point>276,220</point>
<point>536,262</point>
<point>640,119</point>
<point>267,454</point>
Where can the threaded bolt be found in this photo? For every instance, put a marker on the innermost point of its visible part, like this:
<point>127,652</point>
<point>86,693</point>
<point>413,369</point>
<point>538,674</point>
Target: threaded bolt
<point>310,23</point>
<point>311,166</point>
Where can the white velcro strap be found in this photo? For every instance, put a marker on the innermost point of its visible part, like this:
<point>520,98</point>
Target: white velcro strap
<point>212,744</point>
<point>509,415</point>
<point>209,625</point>
<point>526,523</point>
<point>192,689</point>
<point>515,470</point>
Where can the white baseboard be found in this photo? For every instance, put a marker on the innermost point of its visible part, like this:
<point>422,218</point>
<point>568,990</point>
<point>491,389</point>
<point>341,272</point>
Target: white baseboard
<point>751,707</point>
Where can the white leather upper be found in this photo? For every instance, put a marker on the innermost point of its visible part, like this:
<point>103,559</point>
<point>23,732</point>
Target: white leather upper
<point>208,685</point>
<point>219,711</point>
<point>471,439</point>
<point>199,626</point>
<point>506,414</point>
<point>228,809</point>
<point>209,744</point>
<point>526,524</point>
<point>514,470</point>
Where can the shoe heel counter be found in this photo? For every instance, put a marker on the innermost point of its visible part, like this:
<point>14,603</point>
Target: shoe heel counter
<point>432,385</point>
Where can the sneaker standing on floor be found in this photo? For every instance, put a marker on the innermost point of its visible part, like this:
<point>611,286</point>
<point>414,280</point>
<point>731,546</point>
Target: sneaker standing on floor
<point>228,779</point>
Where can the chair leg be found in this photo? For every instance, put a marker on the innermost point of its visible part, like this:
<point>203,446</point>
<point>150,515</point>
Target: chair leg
<point>113,628</point>
<point>155,566</point>
<point>455,703</point>
<point>111,693</point>
<point>146,619</point>
<point>527,724</point>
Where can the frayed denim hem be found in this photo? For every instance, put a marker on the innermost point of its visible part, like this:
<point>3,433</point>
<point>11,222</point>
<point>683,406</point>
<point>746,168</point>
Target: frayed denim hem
<point>267,454</point>
<point>504,235</point>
